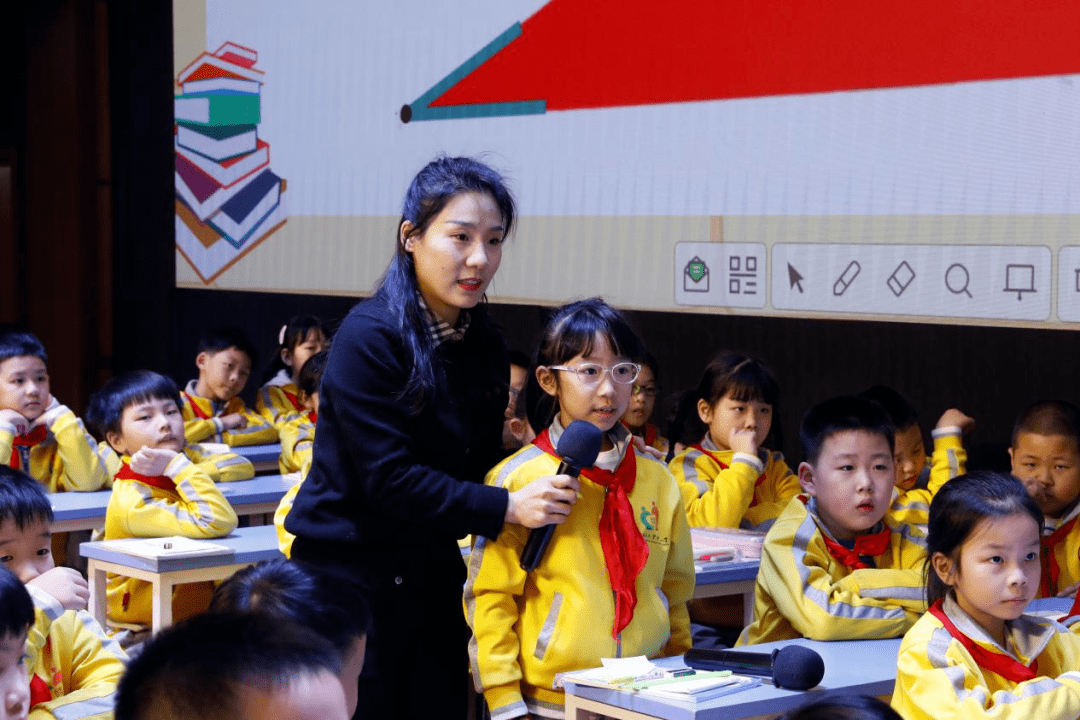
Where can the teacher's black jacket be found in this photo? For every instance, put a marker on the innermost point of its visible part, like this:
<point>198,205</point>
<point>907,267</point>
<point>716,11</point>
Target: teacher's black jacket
<point>390,491</point>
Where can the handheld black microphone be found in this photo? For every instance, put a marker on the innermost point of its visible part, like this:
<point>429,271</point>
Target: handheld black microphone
<point>578,447</point>
<point>792,666</point>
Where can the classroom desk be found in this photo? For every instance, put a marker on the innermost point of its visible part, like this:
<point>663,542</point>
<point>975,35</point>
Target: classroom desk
<point>78,510</point>
<point>861,667</point>
<point>728,578</point>
<point>250,545</point>
<point>263,457</point>
<point>86,510</point>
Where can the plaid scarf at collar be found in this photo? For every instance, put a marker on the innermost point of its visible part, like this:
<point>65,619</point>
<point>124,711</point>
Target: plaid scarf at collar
<point>441,331</point>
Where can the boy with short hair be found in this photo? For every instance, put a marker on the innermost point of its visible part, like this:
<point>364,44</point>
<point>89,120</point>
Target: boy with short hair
<point>838,564</point>
<point>107,407</point>
<point>16,618</point>
<point>157,492</point>
<point>1045,455</point>
<point>233,666</point>
<point>38,434</point>
<point>74,666</point>
<point>212,406</point>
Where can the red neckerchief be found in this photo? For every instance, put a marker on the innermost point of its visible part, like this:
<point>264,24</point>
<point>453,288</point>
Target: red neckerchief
<point>724,466</point>
<point>160,481</point>
<point>39,691</point>
<point>625,551</point>
<point>294,399</point>
<point>199,412</point>
<point>872,544</point>
<point>1051,571</point>
<point>1006,666</point>
<point>27,440</point>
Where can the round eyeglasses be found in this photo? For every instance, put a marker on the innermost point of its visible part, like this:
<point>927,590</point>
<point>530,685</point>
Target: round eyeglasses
<point>591,374</point>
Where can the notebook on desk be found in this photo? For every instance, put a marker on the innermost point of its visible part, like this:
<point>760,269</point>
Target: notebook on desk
<point>173,546</point>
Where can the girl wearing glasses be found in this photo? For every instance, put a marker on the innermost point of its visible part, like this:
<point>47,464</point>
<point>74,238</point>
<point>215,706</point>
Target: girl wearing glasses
<point>617,574</point>
<point>410,418</point>
<point>643,402</point>
<point>728,479</point>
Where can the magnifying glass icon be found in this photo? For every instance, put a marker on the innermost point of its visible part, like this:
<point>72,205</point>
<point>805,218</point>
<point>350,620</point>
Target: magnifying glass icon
<point>957,279</point>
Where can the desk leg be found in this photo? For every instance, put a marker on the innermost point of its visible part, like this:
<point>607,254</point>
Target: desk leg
<point>98,604</point>
<point>162,604</point>
<point>748,608</point>
<point>571,711</point>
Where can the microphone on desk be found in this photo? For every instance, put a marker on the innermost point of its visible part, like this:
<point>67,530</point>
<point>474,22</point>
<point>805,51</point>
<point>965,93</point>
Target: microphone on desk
<point>792,666</point>
<point>578,447</point>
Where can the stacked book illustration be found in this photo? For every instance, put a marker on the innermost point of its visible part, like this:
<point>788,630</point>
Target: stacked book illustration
<point>228,200</point>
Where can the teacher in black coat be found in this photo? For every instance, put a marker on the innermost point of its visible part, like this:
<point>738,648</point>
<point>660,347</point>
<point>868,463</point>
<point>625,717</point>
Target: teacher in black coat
<point>410,419</point>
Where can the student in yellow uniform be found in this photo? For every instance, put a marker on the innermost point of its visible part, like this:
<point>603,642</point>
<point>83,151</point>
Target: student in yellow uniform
<point>119,392</point>
<point>74,666</point>
<point>728,479</point>
<point>212,406</point>
<point>279,398</point>
<point>837,565</point>
<point>975,654</point>
<point>157,492</point>
<point>643,403</point>
<point>919,477</point>
<point>38,434</point>
<point>1045,455</point>
<point>619,569</point>
<point>297,438</point>
<point>298,433</point>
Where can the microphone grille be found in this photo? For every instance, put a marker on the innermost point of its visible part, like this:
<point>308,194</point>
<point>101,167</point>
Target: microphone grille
<point>797,668</point>
<point>580,443</point>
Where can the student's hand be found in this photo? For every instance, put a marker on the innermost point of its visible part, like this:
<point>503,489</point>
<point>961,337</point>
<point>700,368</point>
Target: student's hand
<point>545,501</point>
<point>65,584</point>
<point>1069,591</point>
<point>10,417</point>
<point>151,461</point>
<point>639,443</point>
<point>743,440</point>
<point>52,411</point>
<point>235,421</point>
<point>955,418</point>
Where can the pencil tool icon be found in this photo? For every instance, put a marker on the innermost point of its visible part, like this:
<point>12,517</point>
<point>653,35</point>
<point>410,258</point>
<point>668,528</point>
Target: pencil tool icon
<point>846,278</point>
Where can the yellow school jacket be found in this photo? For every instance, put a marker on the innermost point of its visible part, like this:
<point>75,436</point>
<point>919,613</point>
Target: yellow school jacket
<point>148,507</point>
<point>285,538</point>
<point>74,667</point>
<point>722,488</point>
<point>297,436</point>
<point>277,401</point>
<point>220,466</point>
<point>948,460</point>
<point>803,591</point>
<point>1060,554</point>
<point>527,627</point>
<point>202,421</point>
<point>67,459</point>
<point>936,676</point>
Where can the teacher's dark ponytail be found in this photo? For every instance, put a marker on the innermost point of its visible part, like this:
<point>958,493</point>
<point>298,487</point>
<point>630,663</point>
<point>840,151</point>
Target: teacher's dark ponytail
<point>433,187</point>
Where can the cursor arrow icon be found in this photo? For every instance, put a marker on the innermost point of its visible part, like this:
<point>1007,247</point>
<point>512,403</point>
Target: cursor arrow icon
<point>794,276</point>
